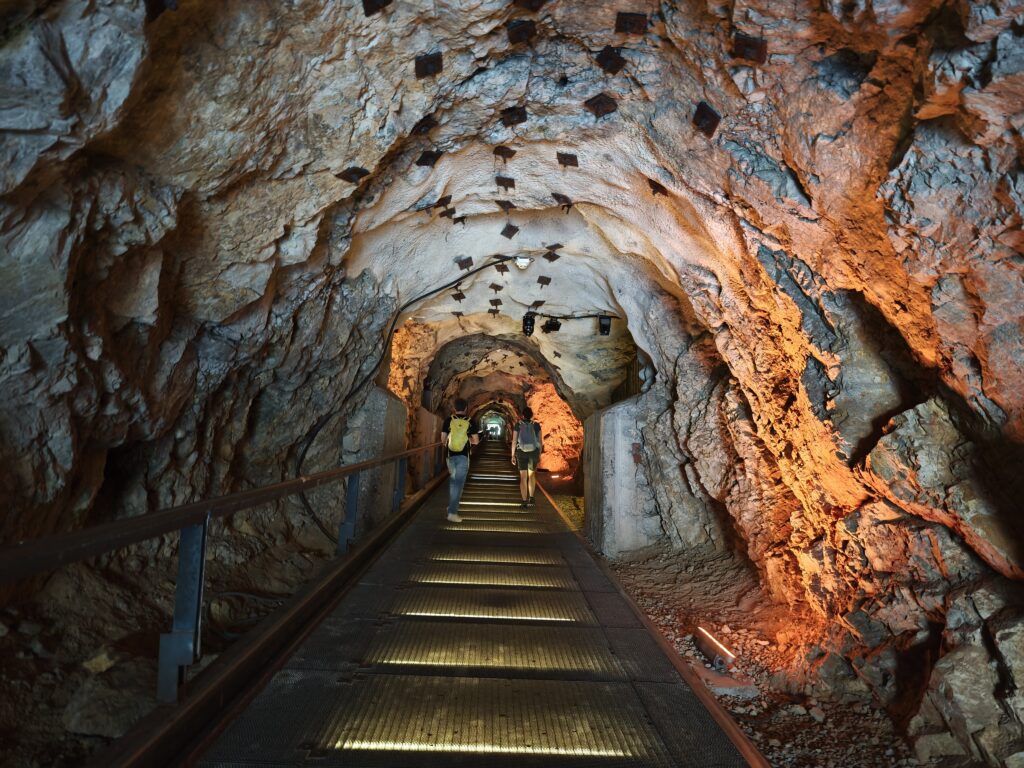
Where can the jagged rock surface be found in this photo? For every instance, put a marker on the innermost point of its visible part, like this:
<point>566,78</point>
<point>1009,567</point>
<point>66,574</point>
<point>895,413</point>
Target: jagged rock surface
<point>195,274</point>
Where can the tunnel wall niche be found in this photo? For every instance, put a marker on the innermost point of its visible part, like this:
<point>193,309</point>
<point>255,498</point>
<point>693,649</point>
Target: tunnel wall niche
<point>376,429</point>
<point>426,430</point>
<point>620,512</point>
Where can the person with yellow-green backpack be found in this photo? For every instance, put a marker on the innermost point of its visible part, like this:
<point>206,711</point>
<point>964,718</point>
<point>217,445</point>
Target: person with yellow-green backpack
<point>459,434</point>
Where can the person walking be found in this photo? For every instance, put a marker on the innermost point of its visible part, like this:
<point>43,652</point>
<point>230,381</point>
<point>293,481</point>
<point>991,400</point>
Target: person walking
<point>459,434</point>
<point>526,450</point>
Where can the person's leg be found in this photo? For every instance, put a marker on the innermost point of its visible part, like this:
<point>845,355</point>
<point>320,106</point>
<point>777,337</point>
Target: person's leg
<point>458,469</point>
<point>521,466</point>
<point>532,482</point>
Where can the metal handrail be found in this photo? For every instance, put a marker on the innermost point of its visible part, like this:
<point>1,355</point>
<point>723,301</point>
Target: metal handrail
<point>182,647</point>
<point>48,553</point>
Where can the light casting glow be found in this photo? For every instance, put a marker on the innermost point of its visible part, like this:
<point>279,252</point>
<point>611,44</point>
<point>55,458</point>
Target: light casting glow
<point>500,664</point>
<point>470,517</point>
<point>492,529</point>
<point>478,748</point>
<point>730,656</point>
<point>472,503</point>
<point>514,558</point>
<point>498,580</point>
<point>500,616</point>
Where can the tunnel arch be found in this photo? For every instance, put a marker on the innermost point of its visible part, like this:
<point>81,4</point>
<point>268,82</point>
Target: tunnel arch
<point>467,356</point>
<point>201,296</point>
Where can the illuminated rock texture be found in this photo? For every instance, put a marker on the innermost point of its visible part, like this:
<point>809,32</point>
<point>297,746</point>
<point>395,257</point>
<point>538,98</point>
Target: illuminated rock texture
<point>209,216</point>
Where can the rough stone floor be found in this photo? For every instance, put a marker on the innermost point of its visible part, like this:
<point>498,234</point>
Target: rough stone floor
<point>495,641</point>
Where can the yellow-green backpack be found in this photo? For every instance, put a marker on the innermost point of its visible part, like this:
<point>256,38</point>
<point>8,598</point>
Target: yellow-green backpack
<point>458,434</point>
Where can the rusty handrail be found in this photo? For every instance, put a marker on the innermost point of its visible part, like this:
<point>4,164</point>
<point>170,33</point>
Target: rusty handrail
<point>45,554</point>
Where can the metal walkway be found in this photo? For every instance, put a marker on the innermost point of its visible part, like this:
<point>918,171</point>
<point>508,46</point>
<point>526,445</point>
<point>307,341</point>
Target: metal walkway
<point>497,641</point>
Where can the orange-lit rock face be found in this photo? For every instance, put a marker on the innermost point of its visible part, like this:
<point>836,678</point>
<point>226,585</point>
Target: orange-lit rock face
<point>409,347</point>
<point>563,433</point>
<point>487,371</point>
<point>203,249</point>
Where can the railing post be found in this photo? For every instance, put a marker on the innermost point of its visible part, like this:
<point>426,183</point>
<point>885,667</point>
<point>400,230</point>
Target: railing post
<point>181,646</point>
<point>425,461</point>
<point>347,529</point>
<point>396,499</point>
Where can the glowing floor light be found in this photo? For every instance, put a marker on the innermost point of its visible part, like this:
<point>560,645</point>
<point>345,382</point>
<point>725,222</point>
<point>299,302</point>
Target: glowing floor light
<point>719,656</point>
<point>523,528</point>
<point>483,748</point>
<point>499,616</point>
<point>500,556</point>
<point>493,580</point>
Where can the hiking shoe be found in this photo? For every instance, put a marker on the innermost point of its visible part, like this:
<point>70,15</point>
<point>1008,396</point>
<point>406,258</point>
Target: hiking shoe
<point>531,502</point>
<point>523,504</point>
<point>454,519</point>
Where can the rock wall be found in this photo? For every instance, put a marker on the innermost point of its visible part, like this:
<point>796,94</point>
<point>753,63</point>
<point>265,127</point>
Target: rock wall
<point>377,429</point>
<point>209,218</point>
<point>562,431</point>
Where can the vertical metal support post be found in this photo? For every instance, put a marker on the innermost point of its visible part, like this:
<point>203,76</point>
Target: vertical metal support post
<point>181,646</point>
<point>396,499</point>
<point>425,461</point>
<point>347,529</point>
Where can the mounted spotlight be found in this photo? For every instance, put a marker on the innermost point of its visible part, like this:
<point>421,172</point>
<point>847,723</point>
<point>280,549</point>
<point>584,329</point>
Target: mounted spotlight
<point>528,322</point>
<point>604,325</point>
<point>551,325</point>
<point>523,261</point>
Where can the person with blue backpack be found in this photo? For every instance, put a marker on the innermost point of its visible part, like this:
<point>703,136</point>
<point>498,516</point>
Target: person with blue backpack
<point>459,434</point>
<point>526,450</point>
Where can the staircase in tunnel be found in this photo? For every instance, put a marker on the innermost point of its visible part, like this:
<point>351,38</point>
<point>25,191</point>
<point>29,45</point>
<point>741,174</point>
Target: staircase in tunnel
<point>491,642</point>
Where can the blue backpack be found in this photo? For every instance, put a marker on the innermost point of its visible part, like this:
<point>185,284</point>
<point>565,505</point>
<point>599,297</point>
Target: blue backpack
<point>528,436</point>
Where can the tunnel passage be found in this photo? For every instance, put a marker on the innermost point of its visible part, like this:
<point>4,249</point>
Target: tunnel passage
<point>493,423</point>
<point>806,215</point>
<point>510,372</point>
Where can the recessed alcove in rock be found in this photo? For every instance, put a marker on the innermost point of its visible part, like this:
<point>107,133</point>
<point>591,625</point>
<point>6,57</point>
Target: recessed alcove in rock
<point>225,261</point>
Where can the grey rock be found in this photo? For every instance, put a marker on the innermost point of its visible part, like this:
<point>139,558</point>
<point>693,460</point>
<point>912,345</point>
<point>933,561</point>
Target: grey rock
<point>29,628</point>
<point>843,71</point>
<point>109,704</point>
<point>961,691</point>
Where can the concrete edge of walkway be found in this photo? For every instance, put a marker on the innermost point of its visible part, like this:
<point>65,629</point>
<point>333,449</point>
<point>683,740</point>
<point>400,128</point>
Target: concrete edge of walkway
<point>747,749</point>
<point>171,734</point>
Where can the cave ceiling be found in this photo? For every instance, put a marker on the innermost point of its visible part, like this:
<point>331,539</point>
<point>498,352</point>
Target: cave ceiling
<point>212,218</point>
<point>806,218</point>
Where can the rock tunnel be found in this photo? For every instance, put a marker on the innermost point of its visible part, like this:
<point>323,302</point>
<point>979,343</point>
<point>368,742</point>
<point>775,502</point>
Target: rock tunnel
<point>773,254</point>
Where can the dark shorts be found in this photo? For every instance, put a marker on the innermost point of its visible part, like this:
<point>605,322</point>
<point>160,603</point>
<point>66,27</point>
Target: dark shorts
<point>527,460</point>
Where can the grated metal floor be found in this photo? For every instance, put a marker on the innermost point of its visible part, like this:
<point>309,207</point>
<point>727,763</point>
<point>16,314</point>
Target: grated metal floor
<point>492,642</point>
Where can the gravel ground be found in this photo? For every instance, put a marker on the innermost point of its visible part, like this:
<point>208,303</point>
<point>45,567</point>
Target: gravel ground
<point>712,589</point>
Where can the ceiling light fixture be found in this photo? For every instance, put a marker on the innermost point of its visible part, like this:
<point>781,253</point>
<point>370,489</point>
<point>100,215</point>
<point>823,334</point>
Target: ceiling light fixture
<point>604,325</point>
<point>523,261</point>
<point>551,325</point>
<point>529,319</point>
